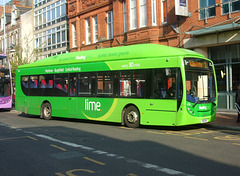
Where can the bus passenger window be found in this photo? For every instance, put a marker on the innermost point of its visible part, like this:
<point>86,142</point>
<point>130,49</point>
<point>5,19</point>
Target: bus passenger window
<point>61,84</point>
<point>125,85</point>
<point>72,84</point>
<point>42,83</point>
<point>33,81</point>
<point>105,84</point>
<point>86,85</point>
<point>25,81</point>
<point>164,83</point>
<point>132,83</point>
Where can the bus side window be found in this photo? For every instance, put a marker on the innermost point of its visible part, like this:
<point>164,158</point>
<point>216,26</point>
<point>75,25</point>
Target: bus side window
<point>42,82</point>
<point>25,81</point>
<point>72,84</point>
<point>125,84</point>
<point>164,83</point>
<point>160,83</point>
<point>105,84</point>
<point>86,84</point>
<point>33,82</point>
<point>61,84</point>
<point>132,83</point>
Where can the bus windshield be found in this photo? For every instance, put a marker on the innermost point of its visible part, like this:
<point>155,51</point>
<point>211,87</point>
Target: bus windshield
<point>200,81</point>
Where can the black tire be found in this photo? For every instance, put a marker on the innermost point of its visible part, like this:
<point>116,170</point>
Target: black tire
<point>46,111</point>
<point>132,117</point>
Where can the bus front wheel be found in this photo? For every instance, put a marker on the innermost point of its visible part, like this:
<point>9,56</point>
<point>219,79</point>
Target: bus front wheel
<point>132,117</point>
<point>46,111</point>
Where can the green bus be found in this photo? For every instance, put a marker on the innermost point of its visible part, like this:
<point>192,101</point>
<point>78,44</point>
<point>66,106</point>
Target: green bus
<point>144,84</point>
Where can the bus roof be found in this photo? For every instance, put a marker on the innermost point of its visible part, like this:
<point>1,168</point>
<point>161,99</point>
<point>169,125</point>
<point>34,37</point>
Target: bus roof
<point>116,53</point>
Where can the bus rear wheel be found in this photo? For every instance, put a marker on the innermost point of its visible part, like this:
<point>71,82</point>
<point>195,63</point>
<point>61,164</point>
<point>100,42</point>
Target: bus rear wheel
<point>132,117</point>
<point>46,111</point>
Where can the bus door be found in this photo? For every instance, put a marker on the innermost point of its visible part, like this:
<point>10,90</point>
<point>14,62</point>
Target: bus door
<point>24,85</point>
<point>163,104</point>
<point>72,98</point>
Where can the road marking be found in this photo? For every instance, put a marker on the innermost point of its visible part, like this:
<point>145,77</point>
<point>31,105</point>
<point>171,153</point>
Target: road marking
<point>139,163</point>
<point>153,132</point>
<point>60,148</point>
<point>32,138</point>
<point>126,128</point>
<point>94,161</point>
<point>115,156</point>
<point>70,172</point>
<point>236,143</point>
<point>202,139</point>
<point>228,138</point>
<point>20,137</point>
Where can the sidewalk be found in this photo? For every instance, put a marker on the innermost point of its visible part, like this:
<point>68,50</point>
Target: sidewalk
<point>226,119</point>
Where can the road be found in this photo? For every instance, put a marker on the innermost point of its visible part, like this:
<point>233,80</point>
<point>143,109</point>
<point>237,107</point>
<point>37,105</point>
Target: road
<point>68,147</point>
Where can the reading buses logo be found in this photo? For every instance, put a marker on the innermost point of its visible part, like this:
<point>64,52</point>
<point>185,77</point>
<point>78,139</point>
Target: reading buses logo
<point>80,57</point>
<point>92,105</point>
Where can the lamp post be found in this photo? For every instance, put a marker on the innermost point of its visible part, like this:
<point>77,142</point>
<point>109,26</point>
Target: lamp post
<point>4,24</point>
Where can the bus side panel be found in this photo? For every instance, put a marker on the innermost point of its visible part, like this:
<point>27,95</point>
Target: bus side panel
<point>160,112</point>
<point>100,109</point>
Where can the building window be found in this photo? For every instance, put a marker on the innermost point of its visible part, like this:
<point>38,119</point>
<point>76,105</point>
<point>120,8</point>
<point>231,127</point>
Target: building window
<point>124,17</point>
<point>74,35</point>
<point>233,4</point>
<point>110,24</point>
<point>44,16</point>
<point>143,13</point>
<point>95,29</point>
<point>49,40</point>
<point>133,14</point>
<point>207,9</point>
<point>50,13</point>
<point>164,11</point>
<point>154,13</point>
<point>88,31</point>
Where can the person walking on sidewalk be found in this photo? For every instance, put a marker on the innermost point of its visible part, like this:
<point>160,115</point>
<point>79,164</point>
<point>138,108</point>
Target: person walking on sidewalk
<point>237,101</point>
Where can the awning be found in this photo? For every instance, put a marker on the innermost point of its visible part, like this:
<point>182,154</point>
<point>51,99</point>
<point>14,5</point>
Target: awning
<point>214,29</point>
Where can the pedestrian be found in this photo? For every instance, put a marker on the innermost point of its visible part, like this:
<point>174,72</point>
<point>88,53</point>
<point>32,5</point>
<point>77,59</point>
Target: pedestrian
<point>237,101</point>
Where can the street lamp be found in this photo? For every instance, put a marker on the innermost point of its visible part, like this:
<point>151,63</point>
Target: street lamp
<point>4,23</point>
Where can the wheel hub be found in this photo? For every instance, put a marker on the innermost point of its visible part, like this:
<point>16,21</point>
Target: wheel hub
<point>132,117</point>
<point>47,111</point>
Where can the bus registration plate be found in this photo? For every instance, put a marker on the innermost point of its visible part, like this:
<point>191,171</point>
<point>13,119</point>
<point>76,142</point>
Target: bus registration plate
<point>204,120</point>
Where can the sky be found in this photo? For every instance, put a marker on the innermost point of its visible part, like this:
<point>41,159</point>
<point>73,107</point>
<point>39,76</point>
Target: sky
<point>2,1</point>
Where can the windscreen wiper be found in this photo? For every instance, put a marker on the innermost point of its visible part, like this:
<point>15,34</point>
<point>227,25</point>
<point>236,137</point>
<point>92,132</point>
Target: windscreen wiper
<point>196,103</point>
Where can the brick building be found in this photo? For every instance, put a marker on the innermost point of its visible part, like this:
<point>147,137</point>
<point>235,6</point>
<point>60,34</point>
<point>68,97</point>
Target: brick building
<point>108,23</point>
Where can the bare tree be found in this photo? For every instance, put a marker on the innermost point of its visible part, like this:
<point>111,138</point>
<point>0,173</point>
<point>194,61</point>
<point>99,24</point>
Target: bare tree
<point>23,55</point>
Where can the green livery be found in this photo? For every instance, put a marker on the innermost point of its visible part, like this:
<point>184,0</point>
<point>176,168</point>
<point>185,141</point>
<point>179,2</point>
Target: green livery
<point>147,84</point>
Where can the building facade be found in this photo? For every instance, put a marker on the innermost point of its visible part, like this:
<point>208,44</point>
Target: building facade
<point>109,23</point>
<point>50,27</point>
<point>11,27</point>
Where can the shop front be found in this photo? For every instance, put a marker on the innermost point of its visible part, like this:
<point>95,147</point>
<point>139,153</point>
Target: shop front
<point>227,65</point>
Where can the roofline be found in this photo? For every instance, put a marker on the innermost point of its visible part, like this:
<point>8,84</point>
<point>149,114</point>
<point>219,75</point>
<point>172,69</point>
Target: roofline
<point>139,51</point>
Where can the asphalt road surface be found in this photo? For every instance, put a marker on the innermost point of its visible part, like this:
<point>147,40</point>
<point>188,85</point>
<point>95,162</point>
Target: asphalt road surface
<point>30,146</point>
